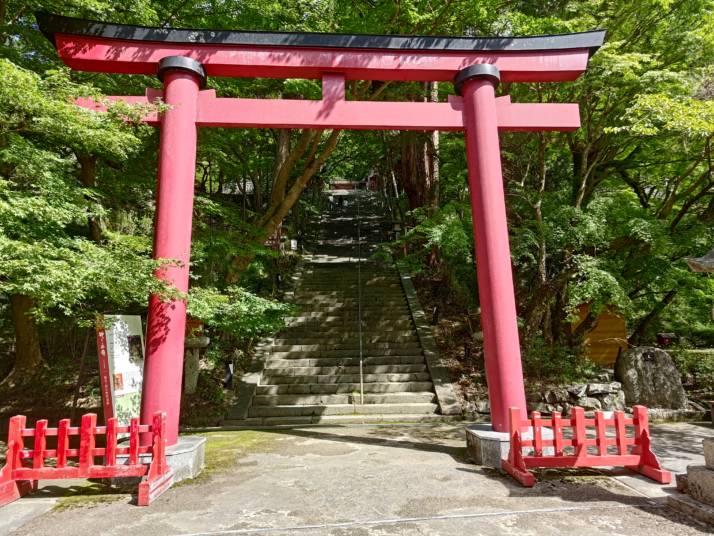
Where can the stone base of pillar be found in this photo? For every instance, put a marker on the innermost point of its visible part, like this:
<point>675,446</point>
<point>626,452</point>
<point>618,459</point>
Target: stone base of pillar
<point>487,448</point>
<point>186,458</point>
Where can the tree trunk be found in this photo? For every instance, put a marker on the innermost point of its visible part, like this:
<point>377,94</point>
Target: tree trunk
<point>28,355</point>
<point>639,331</point>
<point>88,178</point>
<point>279,207</point>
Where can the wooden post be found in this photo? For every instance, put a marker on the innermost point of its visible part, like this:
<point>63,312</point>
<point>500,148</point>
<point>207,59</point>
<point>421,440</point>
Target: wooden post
<point>110,453</point>
<point>62,443</point>
<point>537,435</point>
<point>581,447</point>
<point>600,434</point>
<point>134,441</point>
<point>557,434</point>
<point>38,452</point>
<point>621,433</point>
<point>86,442</point>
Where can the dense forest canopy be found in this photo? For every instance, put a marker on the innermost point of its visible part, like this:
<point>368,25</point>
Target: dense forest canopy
<point>604,216</point>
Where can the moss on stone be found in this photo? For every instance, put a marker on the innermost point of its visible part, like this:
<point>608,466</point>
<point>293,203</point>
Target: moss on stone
<point>224,449</point>
<point>88,495</point>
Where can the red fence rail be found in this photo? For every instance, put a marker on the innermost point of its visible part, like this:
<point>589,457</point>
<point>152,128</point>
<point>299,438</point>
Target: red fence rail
<point>25,466</point>
<point>582,442</point>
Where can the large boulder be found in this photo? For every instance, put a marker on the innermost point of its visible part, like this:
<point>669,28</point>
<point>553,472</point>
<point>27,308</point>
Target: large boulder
<point>649,377</point>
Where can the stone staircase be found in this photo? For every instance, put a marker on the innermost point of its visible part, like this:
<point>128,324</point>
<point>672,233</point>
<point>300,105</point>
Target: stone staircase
<point>311,369</point>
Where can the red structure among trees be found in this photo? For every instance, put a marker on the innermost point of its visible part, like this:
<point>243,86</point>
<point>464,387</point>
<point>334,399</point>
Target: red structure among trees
<point>183,59</point>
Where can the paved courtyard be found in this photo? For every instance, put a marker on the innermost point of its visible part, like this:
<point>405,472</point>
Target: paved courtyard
<point>370,480</point>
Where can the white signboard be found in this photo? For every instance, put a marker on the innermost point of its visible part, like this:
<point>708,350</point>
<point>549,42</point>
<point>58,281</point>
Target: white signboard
<point>120,340</point>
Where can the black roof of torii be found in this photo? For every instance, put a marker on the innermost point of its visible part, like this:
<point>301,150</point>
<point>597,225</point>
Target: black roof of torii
<point>54,24</point>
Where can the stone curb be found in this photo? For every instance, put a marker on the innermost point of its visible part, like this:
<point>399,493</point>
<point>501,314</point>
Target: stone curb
<point>691,507</point>
<point>445,395</point>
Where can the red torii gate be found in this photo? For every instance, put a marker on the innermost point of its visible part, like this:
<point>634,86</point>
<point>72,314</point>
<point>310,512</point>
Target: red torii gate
<point>183,59</point>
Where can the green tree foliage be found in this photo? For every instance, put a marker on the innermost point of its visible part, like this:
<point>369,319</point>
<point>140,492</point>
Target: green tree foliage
<point>605,215</point>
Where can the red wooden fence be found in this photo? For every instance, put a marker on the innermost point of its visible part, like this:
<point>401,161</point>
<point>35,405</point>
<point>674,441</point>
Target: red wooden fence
<point>618,441</point>
<point>25,466</point>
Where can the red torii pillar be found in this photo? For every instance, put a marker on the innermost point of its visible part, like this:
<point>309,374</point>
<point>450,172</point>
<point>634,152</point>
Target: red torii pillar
<point>166,326</point>
<point>502,352</point>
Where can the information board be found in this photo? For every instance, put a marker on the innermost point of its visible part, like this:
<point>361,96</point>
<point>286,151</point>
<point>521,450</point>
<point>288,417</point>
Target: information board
<point>120,345</point>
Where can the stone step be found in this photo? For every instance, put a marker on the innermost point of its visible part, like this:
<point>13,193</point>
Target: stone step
<point>312,365</point>
<point>340,293</point>
<point>350,281</point>
<point>388,310</point>
<point>372,312</point>
<point>272,371</point>
<point>350,275</point>
<point>416,397</point>
<point>340,409</point>
<point>347,361</point>
<point>373,340</point>
<point>344,378</point>
<point>371,337</point>
<point>406,350</point>
<point>350,303</point>
<point>347,267</point>
<point>342,288</point>
<point>337,420</point>
<point>347,300</point>
<point>337,322</point>
<point>367,299</point>
<point>331,341</point>
<point>350,278</point>
<point>352,346</point>
<point>367,316</point>
<point>311,329</point>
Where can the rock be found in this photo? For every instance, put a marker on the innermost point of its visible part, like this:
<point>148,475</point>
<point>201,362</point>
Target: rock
<point>589,403</point>
<point>555,396</point>
<point>709,452</point>
<point>482,406</point>
<point>695,406</point>
<point>599,389</point>
<point>191,368</point>
<point>540,407</point>
<point>681,482</point>
<point>604,377</point>
<point>534,396</point>
<point>649,377</point>
<point>614,401</point>
<point>578,391</point>
<point>700,483</point>
<point>603,388</point>
<point>621,401</point>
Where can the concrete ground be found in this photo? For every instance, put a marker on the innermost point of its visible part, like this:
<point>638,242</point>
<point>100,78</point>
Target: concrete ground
<point>375,480</point>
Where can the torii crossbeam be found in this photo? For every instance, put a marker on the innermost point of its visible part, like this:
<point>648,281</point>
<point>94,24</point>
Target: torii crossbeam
<point>183,59</point>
